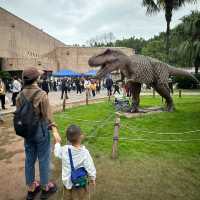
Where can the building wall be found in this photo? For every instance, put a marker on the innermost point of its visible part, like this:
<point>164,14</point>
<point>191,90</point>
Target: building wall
<point>23,45</point>
<point>15,64</point>
<point>21,40</point>
<point>76,58</point>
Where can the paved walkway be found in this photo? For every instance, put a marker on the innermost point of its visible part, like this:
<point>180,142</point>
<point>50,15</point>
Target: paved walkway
<point>74,98</point>
<point>12,184</point>
<point>56,101</point>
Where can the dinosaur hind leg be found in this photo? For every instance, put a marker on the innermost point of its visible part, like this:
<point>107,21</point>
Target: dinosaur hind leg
<point>164,91</point>
<point>135,90</point>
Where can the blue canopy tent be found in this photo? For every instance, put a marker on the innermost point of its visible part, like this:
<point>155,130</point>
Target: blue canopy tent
<point>91,73</point>
<point>66,73</point>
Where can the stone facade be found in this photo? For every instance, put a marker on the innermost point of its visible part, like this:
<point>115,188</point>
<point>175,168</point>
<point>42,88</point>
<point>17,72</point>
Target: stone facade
<point>23,45</point>
<point>76,58</point>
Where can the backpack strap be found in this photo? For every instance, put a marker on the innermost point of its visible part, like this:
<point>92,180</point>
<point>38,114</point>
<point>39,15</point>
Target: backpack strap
<point>31,98</point>
<point>34,95</point>
<point>70,159</point>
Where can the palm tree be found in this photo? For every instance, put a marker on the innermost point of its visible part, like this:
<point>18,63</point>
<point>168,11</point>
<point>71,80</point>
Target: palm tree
<point>155,6</point>
<point>190,47</point>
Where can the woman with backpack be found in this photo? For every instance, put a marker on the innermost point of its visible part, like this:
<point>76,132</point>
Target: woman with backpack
<point>32,120</point>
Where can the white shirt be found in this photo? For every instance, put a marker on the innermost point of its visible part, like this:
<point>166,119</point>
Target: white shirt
<point>87,84</point>
<point>16,86</point>
<point>81,158</point>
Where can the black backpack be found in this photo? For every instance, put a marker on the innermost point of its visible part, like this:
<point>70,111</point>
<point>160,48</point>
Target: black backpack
<point>26,120</point>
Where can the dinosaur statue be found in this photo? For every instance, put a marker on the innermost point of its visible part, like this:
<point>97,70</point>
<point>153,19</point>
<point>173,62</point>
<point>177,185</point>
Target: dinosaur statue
<point>138,69</point>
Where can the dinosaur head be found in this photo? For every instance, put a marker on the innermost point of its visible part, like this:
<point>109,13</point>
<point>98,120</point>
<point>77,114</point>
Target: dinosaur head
<point>108,61</point>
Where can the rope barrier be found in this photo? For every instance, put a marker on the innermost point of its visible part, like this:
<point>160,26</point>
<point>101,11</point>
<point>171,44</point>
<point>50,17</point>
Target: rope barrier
<point>143,139</point>
<point>106,121</point>
<point>77,119</point>
<point>133,129</point>
<point>161,133</point>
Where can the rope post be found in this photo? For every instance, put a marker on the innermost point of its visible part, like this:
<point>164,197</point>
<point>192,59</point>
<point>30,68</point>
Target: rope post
<point>180,93</point>
<point>109,96</point>
<point>154,93</point>
<point>64,101</point>
<point>86,96</point>
<point>116,137</point>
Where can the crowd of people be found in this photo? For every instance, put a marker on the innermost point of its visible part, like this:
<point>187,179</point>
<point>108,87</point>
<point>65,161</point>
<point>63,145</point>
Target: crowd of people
<point>68,84</point>
<point>14,87</point>
<point>64,85</point>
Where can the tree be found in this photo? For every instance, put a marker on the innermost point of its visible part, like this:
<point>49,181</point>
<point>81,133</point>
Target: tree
<point>5,75</point>
<point>155,6</point>
<point>135,43</point>
<point>190,47</point>
<point>155,49</point>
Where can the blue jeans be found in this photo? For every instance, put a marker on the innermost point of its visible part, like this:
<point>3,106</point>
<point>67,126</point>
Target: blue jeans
<point>38,148</point>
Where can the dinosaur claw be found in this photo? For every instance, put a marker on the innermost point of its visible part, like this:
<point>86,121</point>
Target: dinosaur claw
<point>170,109</point>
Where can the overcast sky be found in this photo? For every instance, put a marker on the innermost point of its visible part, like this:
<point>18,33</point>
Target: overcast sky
<point>76,21</point>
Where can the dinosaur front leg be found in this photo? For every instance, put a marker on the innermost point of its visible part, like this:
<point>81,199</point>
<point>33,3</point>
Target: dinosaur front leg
<point>135,90</point>
<point>164,91</point>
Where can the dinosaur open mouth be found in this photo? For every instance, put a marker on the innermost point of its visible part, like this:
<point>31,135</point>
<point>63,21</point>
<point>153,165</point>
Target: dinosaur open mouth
<point>102,71</point>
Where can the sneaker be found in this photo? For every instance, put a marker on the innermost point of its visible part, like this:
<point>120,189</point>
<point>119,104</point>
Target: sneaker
<point>45,194</point>
<point>31,195</point>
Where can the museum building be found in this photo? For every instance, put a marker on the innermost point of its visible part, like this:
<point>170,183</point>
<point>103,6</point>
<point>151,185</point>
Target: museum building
<point>23,45</point>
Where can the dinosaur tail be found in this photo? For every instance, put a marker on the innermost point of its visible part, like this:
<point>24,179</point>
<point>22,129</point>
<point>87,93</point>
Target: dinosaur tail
<point>179,72</point>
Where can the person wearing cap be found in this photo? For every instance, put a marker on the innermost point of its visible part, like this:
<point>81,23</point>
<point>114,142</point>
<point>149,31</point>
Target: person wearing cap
<point>39,147</point>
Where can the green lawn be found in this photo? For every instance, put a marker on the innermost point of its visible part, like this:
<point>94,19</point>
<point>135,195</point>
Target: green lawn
<point>98,120</point>
<point>165,165</point>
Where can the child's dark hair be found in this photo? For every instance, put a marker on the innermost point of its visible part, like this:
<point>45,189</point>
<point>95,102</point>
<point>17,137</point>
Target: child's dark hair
<point>73,133</point>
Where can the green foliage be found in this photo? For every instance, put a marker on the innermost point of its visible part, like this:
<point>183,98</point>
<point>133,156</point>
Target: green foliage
<point>135,43</point>
<point>155,48</point>
<point>190,46</point>
<point>5,75</point>
<point>100,126</point>
<point>186,83</point>
<point>168,6</point>
<point>185,45</point>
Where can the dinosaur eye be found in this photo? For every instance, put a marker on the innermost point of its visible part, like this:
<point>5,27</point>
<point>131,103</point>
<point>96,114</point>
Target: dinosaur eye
<point>108,51</point>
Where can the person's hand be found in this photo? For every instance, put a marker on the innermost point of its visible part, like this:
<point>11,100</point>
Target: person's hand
<point>56,135</point>
<point>93,182</point>
<point>57,139</point>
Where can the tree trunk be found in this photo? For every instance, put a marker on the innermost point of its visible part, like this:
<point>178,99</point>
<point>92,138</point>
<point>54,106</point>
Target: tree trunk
<point>168,17</point>
<point>167,39</point>
<point>197,65</point>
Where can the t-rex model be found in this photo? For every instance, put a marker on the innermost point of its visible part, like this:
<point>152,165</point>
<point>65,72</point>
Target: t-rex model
<point>138,69</point>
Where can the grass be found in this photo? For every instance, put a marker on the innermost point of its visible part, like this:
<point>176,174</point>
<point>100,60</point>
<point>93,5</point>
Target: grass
<point>164,166</point>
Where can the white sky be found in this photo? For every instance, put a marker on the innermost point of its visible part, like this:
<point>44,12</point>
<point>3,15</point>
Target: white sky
<point>76,21</point>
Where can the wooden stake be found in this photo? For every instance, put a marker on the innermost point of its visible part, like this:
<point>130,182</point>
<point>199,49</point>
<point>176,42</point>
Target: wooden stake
<point>154,93</point>
<point>116,137</point>
<point>86,96</point>
<point>64,101</point>
<point>180,93</point>
<point>109,96</point>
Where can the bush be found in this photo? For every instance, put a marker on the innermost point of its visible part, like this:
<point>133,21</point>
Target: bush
<point>187,83</point>
<point>5,75</point>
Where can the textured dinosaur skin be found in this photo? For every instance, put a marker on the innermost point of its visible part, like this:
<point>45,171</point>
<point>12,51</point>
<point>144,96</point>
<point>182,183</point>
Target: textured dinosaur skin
<point>138,69</point>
